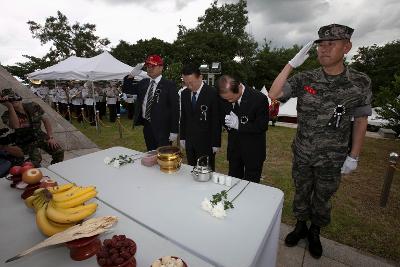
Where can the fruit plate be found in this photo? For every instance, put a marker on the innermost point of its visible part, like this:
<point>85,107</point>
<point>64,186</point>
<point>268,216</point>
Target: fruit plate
<point>174,257</point>
<point>83,248</point>
<point>119,251</point>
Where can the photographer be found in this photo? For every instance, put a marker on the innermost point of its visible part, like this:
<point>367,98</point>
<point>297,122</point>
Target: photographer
<point>30,115</point>
<point>9,156</point>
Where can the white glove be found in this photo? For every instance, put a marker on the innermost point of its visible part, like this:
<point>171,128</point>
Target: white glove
<point>182,143</point>
<point>301,56</point>
<point>173,137</point>
<point>137,69</point>
<point>349,165</point>
<point>216,149</point>
<point>232,121</point>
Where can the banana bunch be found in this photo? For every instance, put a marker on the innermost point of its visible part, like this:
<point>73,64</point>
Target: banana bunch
<point>65,207</point>
<point>38,199</point>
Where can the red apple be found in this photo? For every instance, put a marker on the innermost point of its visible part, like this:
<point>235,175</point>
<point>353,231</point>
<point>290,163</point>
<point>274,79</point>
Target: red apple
<point>15,170</point>
<point>28,163</point>
<point>25,168</point>
<point>32,176</point>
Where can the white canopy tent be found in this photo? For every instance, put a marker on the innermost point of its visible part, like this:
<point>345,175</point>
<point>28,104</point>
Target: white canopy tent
<point>64,70</point>
<point>101,67</point>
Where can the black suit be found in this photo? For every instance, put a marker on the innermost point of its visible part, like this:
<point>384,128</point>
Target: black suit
<point>247,145</point>
<point>200,127</point>
<point>164,112</point>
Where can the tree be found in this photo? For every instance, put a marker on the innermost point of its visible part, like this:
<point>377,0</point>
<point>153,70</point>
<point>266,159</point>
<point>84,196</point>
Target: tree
<point>270,61</point>
<point>220,36</point>
<point>132,54</point>
<point>389,102</point>
<point>380,63</point>
<point>66,40</point>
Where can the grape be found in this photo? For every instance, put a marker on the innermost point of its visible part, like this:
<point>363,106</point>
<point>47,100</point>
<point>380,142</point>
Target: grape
<point>126,255</point>
<point>132,251</point>
<point>113,251</point>
<point>118,260</point>
<point>109,261</point>
<point>107,242</point>
<point>102,261</point>
<point>122,237</point>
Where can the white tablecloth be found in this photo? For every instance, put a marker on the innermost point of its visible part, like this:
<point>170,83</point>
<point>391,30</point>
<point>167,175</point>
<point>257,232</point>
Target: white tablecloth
<point>169,205</point>
<point>19,232</point>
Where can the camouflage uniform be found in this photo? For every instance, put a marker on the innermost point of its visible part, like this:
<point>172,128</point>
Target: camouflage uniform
<point>321,143</point>
<point>33,117</point>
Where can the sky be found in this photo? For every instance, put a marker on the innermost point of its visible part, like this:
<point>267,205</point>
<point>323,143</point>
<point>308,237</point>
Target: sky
<point>283,22</point>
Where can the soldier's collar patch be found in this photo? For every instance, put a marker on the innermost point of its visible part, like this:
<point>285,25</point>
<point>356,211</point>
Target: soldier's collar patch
<point>310,90</point>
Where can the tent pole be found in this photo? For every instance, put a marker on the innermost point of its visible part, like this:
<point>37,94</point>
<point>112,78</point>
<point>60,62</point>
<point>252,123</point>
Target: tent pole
<point>94,107</point>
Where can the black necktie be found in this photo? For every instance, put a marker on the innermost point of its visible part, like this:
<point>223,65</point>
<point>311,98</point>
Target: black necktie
<point>194,100</point>
<point>149,102</point>
<point>236,108</point>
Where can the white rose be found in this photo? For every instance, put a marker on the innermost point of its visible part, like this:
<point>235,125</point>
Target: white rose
<point>107,160</point>
<point>116,164</point>
<point>206,205</point>
<point>218,211</point>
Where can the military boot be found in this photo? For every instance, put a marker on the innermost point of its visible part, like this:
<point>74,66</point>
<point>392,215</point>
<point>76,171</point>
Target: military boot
<point>314,244</point>
<point>299,232</point>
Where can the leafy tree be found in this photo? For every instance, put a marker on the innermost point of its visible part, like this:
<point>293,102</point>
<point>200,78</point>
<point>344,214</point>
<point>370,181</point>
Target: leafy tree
<point>66,40</point>
<point>389,102</point>
<point>132,54</point>
<point>270,61</point>
<point>380,63</point>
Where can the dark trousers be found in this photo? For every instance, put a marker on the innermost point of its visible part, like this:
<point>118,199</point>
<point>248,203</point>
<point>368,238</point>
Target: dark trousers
<point>90,114</point>
<point>192,155</point>
<point>250,171</point>
<point>101,107</point>
<point>150,139</point>
<point>112,109</point>
<point>118,107</point>
<point>63,109</point>
<point>77,109</point>
<point>131,108</point>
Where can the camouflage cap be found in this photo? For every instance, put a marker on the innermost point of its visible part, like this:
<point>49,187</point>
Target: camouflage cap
<point>334,32</point>
<point>10,94</point>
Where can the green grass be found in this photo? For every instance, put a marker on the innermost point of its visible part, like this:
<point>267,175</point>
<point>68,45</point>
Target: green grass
<point>357,218</point>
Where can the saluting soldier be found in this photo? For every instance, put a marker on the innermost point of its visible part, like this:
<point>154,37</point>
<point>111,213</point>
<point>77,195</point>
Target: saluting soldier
<point>200,125</point>
<point>328,98</point>
<point>75,95</point>
<point>245,115</point>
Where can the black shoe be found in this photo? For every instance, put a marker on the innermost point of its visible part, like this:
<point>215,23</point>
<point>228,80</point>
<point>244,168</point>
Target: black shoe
<point>299,232</point>
<point>314,244</point>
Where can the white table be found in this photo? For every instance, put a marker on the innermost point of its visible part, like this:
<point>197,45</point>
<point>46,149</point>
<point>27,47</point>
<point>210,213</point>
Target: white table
<point>19,232</point>
<point>169,205</point>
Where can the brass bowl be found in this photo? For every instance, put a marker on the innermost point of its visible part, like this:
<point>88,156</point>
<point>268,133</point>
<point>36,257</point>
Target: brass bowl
<point>169,158</point>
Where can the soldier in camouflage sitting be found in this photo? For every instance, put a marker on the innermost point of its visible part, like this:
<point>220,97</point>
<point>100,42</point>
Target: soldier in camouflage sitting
<point>328,97</point>
<point>22,115</point>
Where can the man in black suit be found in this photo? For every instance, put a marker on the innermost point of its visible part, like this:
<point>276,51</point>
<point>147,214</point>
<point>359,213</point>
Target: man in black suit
<point>200,126</point>
<point>157,107</point>
<point>245,115</point>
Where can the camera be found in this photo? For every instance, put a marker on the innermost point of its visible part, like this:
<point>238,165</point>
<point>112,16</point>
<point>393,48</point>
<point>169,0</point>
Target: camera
<point>10,99</point>
<point>21,136</point>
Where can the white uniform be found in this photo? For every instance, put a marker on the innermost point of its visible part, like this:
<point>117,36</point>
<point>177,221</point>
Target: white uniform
<point>75,95</point>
